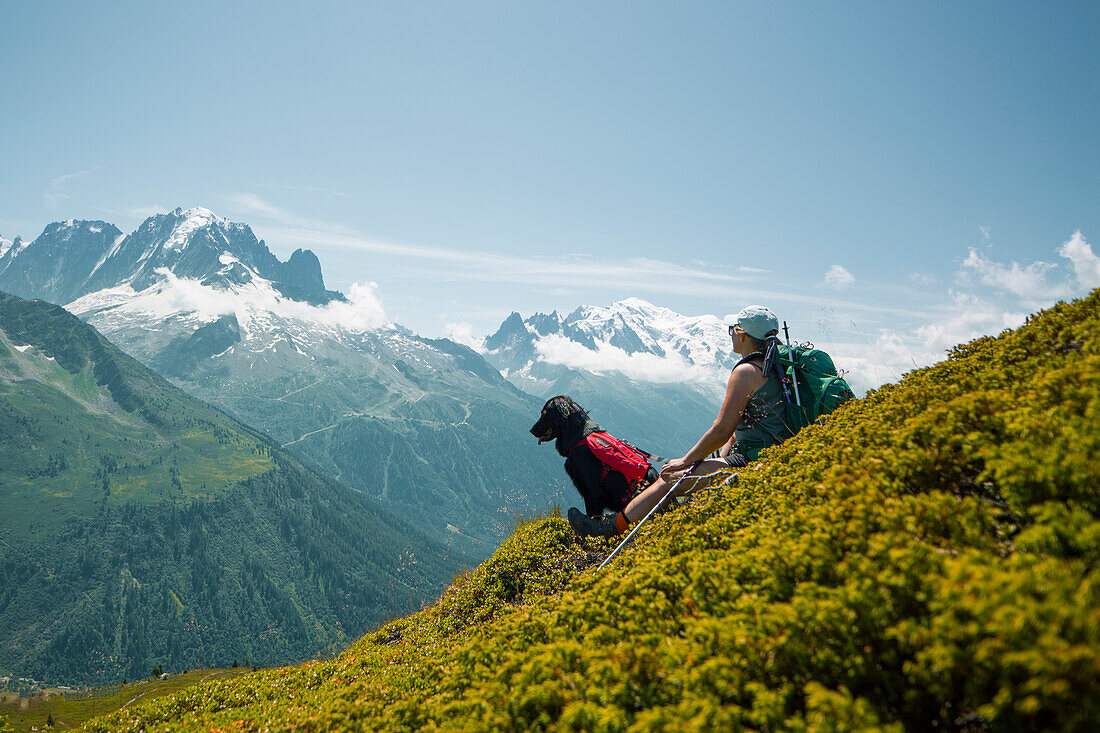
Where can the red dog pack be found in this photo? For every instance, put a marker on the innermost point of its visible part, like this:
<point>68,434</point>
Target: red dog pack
<point>615,455</point>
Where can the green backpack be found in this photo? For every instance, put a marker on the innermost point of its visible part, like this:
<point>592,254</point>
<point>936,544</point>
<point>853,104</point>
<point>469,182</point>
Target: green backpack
<point>820,389</point>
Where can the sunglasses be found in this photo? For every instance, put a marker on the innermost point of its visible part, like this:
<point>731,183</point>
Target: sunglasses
<point>735,329</point>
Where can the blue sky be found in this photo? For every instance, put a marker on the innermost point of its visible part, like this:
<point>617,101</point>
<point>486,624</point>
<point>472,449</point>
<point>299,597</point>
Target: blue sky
<point>477,158</point>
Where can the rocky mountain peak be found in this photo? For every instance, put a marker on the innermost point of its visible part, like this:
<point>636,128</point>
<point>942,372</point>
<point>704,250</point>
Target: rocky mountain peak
<point>54,266</point>
<point>74,258</point>
<point>511,331</point>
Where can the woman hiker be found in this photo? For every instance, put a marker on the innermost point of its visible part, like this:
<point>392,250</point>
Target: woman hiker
<point>750,419</point>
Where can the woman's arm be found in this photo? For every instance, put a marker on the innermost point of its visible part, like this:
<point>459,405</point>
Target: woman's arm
<point>743,381</point>
<point>726,449</point>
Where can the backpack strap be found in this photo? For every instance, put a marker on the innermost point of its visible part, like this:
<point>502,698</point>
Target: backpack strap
<point>771,357</point>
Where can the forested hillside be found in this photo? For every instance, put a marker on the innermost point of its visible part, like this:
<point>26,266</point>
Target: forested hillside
<point>927,559</point>
<point>142,527</point>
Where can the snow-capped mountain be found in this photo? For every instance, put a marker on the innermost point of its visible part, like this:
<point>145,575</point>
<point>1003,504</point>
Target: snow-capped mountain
<point>426,426</point>
<point>653,372</point>
<point>632,337</point>
<point>74,258</point>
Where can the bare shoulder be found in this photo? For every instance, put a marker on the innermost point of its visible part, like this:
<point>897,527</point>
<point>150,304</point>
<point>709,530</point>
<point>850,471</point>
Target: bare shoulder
<point>749,374</point>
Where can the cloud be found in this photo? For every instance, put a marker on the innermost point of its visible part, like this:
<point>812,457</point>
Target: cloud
<point>838,277</point>
<point>463,333</point>
<point>672,368</point>
<point>173,296</point>
<point>966,317</point>
<point>56,193</point>
<point>305,189</point>
<point>644,275</point>
<point>871,360</point>
<point>144,212</point>
<point>1030,282</point>
<point>570,271</point>
<point>253,206</point>
<point>1086,265</point>
<point>249,204</point>
<point>363,310</point>
<point>754,270</point>
<point>887,355</point>
<point>986,231</point>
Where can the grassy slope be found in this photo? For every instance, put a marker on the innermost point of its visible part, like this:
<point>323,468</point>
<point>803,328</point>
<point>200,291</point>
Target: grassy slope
<point>925,558</point>
<point>70,710</point>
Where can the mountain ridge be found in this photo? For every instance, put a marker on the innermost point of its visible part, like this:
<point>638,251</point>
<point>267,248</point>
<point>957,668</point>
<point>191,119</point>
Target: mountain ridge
<point>85,256</point>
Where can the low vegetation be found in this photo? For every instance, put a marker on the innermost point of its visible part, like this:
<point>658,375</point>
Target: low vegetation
<point>925,559</point>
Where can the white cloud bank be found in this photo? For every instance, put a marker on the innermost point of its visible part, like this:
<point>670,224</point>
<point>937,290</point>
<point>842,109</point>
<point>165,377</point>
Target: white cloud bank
<point>252,304</point>
<point>644,367</point>
<point>362,311</point>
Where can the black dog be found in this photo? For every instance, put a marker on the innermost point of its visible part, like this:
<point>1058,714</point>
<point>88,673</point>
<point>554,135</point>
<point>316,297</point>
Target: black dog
<point>566,423</point>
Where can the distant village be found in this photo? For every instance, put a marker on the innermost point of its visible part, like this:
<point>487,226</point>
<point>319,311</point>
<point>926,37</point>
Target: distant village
<point>13,687</point>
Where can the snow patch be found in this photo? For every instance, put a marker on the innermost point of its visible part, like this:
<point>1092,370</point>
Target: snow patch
<point>14,247</point>
<point>193,220</point>
<point>108,255</point>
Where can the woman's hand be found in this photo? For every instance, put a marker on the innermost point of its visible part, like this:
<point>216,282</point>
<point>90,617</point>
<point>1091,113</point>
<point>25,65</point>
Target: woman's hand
<point>675,466</point>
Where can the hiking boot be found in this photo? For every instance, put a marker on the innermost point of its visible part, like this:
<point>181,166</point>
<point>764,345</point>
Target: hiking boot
<point>586,526</point>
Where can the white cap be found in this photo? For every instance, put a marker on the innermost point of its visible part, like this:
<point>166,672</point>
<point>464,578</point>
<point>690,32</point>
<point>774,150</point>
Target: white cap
<point>755,320</point>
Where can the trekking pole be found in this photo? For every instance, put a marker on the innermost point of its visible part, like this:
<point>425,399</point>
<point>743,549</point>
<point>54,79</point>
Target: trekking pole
<point>797,397</point>
<point>645,519</point>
